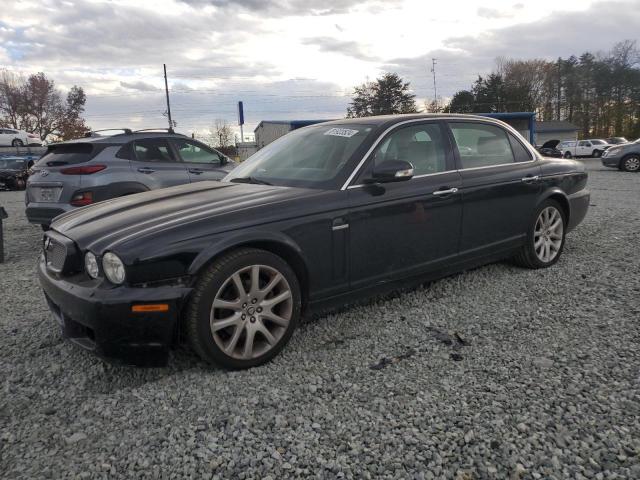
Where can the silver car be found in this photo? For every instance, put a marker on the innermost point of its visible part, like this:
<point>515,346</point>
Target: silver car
<point>88,170</point>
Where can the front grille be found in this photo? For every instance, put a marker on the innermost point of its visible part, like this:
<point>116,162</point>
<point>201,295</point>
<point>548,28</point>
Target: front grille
<point>61,254</point>
<point>55,253</point>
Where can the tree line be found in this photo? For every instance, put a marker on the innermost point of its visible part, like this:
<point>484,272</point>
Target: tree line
<point>600,94</point>
<point>35,105</point>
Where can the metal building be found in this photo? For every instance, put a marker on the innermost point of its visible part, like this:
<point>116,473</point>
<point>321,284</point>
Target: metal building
<point>269,130</point>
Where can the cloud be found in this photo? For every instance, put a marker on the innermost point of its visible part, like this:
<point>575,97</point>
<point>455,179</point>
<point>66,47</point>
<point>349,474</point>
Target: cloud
<point>344,47</point>
<point>491,13</point>
<point>140,86</point>
<point>294,7</point>
<point>463,58</point>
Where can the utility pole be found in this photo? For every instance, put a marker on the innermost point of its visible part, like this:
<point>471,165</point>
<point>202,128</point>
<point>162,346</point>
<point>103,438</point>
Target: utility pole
<point>559,87</point>
<point>166,91</point>
<point>435,88</point>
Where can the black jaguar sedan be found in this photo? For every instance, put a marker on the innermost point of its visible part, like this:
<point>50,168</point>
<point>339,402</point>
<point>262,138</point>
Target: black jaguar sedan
<point>322,216</point>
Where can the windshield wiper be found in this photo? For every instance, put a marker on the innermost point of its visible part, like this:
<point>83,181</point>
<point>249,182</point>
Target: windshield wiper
<point>255,180</point>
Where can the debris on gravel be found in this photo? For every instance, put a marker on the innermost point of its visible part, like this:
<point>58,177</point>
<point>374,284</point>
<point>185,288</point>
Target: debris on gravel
<point>498,372</point>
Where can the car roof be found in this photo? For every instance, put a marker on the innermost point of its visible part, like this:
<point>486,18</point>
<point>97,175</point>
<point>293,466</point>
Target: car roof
<point>122,138</point>
<point>380,120</point>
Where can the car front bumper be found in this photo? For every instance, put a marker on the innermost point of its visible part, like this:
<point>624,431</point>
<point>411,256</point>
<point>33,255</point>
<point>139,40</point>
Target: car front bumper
<point>611,162</point>
<point>100,320</point>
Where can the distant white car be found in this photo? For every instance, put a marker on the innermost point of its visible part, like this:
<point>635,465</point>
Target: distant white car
<point>18,138</point>
<point>583,148</point>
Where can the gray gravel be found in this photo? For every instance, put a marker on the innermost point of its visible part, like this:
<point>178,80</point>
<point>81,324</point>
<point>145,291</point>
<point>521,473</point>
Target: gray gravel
<point>496,373</point>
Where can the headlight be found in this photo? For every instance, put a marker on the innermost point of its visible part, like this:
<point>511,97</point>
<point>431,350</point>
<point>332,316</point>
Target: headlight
<point>91,265</point>
<point>613,151</point>
<point>113,268</point>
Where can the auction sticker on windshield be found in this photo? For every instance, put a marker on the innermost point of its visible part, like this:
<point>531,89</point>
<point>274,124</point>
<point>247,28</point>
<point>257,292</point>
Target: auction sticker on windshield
<point>341,132</point>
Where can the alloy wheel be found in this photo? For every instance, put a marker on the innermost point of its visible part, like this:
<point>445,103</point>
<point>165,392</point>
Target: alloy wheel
<point>632,164</point>
<point>251,311</point>
<point>548,234</point>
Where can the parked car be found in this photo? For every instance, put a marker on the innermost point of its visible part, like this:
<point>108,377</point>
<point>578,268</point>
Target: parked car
<point>548,149</point>
<point>92,169</point>
<point>318,218</point>
<point>616,140</point>
<point>18,138</point>
<point>13,173</point>
<point>583,148</point>
<point>624,157</point>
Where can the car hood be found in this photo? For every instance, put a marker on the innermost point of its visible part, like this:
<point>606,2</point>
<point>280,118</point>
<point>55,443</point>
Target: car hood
<point>550,144</point>
<point>216,206</point>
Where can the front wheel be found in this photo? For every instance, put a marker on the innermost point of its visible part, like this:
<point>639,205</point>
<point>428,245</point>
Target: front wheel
<point>567,155</point>
<point>545,237</point>
<point>596,154</point>
<point>244,309</point>
<point>630,163</point>
<point>17,143</point>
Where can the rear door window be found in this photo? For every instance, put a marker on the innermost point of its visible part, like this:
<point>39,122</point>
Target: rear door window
<point>481,145</point>
<point>153,150</point>
<point>520,153</point>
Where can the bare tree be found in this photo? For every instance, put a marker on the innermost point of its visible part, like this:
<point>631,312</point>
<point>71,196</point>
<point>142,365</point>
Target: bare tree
<point>222,134</point>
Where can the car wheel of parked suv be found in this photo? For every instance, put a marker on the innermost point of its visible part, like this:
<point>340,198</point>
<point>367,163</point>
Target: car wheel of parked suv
<point>545,238</point>
<point>567,155</point>
<point>630,163</point>
<point>596,154</point>
<point>244,309</point>
<point>17,142</point>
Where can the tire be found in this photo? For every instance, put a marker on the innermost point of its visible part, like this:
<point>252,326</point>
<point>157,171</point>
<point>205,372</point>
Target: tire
<point>596,154</point>
<point>530,255</point>
<point>630,163</point>
<point>17,142</point>
<point>45,228</point>
<point>246,314</point>
<point>567,155</point>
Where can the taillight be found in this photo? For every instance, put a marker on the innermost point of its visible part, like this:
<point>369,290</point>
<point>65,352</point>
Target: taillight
<point>86,170</point>
<point>82,199</point>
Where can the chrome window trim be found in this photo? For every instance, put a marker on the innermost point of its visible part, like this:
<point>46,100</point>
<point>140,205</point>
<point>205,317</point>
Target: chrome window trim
<point>493,121</point>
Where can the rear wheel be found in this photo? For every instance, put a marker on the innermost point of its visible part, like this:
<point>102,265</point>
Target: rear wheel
<point>244,309</point>
<point>17,143</point>
<point>567,155</point>
<point>630,163</point>
<point>545,238</point>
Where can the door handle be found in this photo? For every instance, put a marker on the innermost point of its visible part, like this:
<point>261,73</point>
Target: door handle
<point>146,170</point>
<point>196,171</point>
<point>445,192</point>
<point>339,224</point>
<point>530,179</point>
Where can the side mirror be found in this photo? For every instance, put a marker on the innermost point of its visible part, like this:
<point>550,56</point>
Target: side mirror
<point>392,171</point>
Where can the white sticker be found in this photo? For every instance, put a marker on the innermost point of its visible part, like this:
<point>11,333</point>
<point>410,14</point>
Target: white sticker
<point>341,132</point>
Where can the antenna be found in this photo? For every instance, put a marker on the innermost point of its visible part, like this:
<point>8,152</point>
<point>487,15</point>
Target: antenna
<point>435,88</point>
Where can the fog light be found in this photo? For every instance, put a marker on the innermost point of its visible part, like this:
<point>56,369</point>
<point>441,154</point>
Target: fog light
<point>91,265</point>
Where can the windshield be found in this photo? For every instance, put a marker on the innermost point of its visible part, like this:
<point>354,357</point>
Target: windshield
<point>12,164</point>
<point>310,157</point>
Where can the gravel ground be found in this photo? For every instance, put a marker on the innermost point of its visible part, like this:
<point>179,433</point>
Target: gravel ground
<point>495,373</point>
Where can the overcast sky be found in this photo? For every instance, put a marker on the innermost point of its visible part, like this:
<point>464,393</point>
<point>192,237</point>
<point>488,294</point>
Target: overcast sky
<point>286,59</point>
